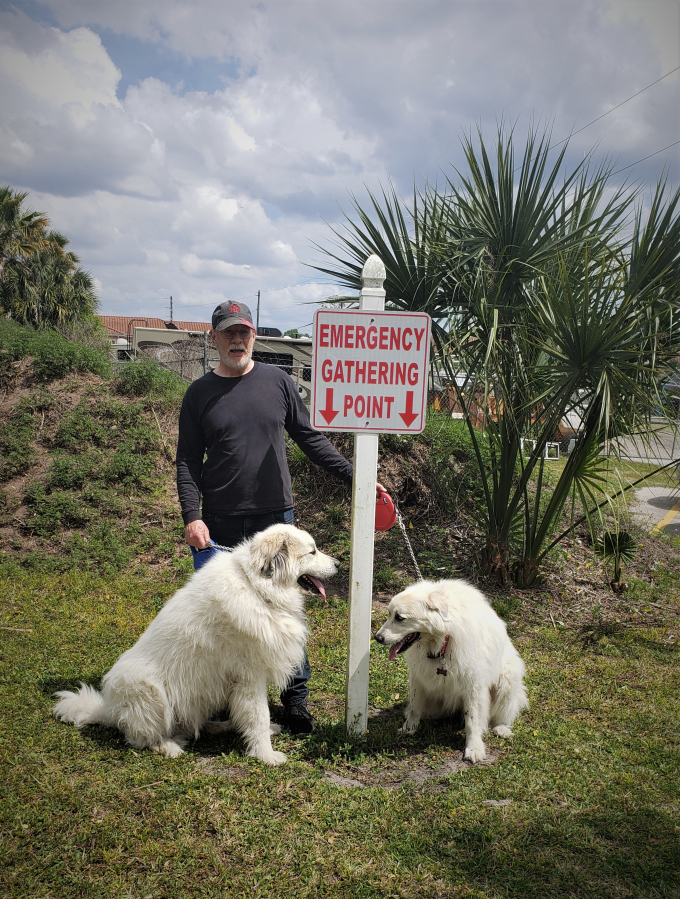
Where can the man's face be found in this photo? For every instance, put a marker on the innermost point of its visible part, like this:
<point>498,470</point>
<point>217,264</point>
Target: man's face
<point>235,346</point>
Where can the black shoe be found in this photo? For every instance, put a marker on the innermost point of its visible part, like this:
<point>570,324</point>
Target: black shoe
<point>298,719</point>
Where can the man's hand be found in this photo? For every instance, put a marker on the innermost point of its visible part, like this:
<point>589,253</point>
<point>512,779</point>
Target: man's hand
<point>197,534</point>
<point>380,489</point>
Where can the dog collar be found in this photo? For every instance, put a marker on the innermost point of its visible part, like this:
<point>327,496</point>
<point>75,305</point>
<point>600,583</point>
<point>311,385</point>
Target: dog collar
<point>441,652</point>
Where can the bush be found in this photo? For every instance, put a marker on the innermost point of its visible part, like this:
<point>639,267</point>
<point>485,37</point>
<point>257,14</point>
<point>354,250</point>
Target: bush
<point>454,473</point>
<point>147,378</point>
<point>16,442</point>
<point>54,355</point>
<point>52,512</point>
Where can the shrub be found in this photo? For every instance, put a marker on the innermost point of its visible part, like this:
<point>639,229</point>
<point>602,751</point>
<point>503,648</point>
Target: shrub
<point>147,378</point>
<point>52,512</point>
<point>54,355</point>
<point>129,469</point>
<point>16,442</point>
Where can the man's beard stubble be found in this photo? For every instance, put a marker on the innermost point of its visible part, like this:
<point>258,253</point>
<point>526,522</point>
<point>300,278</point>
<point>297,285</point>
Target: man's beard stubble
<point>238,364</point>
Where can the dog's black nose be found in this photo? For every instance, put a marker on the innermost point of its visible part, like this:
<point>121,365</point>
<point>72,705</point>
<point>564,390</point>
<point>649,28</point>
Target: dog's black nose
<point>379,638</point>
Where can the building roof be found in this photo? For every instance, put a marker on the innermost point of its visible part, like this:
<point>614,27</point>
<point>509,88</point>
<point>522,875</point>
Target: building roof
<point>122,325</point>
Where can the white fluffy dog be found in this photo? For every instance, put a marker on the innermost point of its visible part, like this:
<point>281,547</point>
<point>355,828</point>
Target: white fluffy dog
<point>459,658</point>
<point>237,625</point>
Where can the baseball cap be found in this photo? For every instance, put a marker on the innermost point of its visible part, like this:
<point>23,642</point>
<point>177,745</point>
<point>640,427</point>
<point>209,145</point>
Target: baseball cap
<point>231,313</point>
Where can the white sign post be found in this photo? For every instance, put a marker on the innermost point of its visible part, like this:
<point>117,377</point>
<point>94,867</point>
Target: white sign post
<point>370,376</point>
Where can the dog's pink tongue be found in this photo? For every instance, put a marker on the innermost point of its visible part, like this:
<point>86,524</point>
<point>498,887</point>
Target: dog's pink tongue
<point>394,649</point>
<point>319,586</point>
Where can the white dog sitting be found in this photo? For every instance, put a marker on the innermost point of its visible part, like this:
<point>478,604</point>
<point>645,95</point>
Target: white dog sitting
<point>237,625</point>
<point>459,658</point>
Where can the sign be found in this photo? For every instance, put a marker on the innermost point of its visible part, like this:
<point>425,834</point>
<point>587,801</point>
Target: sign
<point>370,371</point>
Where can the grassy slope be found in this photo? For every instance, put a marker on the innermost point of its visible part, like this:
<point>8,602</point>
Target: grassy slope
<point>591,774</point>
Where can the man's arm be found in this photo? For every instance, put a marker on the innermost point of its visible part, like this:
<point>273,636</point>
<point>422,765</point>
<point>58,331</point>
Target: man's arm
<point>315,445</point>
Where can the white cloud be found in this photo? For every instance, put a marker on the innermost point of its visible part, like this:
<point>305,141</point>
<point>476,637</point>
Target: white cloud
<point>218,193</point>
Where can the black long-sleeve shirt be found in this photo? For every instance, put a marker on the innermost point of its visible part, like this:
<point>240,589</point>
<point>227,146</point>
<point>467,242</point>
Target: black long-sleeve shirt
<point>231,448</point>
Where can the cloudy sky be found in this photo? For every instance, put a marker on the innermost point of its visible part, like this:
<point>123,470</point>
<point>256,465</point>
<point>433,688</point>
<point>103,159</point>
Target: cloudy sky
<point>198,148</point>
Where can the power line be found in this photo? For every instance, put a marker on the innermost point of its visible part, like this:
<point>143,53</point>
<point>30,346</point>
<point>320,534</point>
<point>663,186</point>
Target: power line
<point>618,106</point>
<point>645,157</point>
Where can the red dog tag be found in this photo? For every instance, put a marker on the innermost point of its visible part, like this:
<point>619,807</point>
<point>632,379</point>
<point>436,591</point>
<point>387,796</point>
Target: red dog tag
<point>385,513</point>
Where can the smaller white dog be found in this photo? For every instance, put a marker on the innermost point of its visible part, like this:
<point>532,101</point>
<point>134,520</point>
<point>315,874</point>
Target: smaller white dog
<point>459,658</point>
<point>237,625</point>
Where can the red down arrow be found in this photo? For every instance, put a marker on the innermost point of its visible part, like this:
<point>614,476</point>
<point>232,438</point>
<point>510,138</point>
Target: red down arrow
<point>329,412</point>
<point>408,415</point>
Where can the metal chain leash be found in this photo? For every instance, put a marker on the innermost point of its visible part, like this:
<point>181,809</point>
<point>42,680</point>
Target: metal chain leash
<point>406,540</point>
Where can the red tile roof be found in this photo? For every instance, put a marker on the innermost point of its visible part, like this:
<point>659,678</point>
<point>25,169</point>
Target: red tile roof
<point>121,325</point>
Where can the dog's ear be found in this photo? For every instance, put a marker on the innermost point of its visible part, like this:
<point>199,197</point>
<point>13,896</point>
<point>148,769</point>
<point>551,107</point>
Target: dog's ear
<point>270,556</point>
<point>438,603</point>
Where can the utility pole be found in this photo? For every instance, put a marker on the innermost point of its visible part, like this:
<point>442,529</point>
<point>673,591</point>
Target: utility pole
<point>170,308</point>
<point>257,322</point>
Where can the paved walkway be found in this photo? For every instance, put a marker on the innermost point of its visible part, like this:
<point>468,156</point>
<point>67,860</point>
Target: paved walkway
<point>662,445</point>
<point>658,508</point>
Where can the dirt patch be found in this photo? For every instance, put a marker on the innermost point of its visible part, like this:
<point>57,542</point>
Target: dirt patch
<point>208,765</point>
<point>413,771</point>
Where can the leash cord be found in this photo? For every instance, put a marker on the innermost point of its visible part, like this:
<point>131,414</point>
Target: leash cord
<point>406,540</point>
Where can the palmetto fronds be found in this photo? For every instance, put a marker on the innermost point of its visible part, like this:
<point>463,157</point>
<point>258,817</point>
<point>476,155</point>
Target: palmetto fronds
<point>552,293</point>
<point>41,283</point>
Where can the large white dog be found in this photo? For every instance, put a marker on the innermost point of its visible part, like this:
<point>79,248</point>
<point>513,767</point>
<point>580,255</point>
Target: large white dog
<point>459,658</point>
<point>236,626</point>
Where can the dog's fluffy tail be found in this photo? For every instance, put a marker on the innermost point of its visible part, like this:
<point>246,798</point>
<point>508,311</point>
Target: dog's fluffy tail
<point>81,708</point>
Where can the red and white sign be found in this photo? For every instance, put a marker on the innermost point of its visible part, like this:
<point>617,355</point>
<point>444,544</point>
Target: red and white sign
<point>370,371</point>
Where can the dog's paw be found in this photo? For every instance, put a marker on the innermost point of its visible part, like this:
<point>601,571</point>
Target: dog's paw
<point>409,726</point>
<point>274,729</point>
<point>475,752</point>
<point>169,749</point>
<point>273,757</point>
<point>502,730</point>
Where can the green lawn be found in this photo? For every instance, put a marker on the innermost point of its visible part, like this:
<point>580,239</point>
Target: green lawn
<point>592,774</point>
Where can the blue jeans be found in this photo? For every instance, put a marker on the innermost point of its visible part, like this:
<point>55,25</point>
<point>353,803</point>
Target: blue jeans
<point>230,530</point>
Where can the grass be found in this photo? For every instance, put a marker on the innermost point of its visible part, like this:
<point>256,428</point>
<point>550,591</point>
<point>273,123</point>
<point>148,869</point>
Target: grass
<point>591,774</point>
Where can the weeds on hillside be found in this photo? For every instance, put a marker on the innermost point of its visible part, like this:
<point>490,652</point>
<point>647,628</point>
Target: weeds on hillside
<point>53,354</point>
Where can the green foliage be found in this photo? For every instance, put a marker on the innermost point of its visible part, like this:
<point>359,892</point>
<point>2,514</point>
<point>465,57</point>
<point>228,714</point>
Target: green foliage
<point>146,378</point>
<point>452,471</point>
<point>618,547</point>
<point>53,511</point>
<point>294,333</point>
<point>54,355</point>
<point>41,283</point>
<point>541,309</point>
<point>17,453</point>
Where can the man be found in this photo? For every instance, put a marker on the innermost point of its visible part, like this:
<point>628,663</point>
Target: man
<point>231,451</point>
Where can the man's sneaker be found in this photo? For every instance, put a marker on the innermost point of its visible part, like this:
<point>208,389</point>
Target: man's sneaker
<point>298,719</point>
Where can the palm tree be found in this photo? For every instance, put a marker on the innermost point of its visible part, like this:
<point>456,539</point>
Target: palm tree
<point>41,283</point>
<point>21,231</point>
<point>542,305</point>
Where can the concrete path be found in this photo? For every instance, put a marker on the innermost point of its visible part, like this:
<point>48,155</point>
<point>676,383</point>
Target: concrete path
<point>658,508</point>
<point>662,445</point>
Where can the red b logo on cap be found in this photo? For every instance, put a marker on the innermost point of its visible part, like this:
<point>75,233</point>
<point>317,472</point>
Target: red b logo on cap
<point>234,307</point>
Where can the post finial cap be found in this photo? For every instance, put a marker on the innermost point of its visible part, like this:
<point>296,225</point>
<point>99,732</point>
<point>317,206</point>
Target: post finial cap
<point>373,273</point>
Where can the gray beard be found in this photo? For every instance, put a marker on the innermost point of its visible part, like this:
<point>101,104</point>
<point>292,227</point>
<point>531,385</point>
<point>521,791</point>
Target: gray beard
<point>233,365</point>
